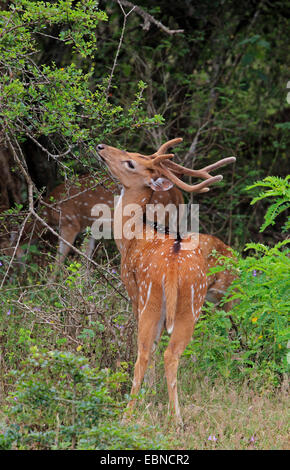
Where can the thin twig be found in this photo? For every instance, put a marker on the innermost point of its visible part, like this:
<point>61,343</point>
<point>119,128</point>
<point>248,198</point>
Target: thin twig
<point>191,154</point>
<point>125,16</point>
<point>56,156</point>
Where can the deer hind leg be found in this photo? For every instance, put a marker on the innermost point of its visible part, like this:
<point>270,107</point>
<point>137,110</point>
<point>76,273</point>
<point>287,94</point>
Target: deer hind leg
<point>89,246</point>
<point>62,251</point>
<point>181,335</point>
<point>147,333</point>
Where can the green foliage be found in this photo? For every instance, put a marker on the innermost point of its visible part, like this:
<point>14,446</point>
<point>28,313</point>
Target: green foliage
<point>211,350</point>
<point>252,342</point>
<point>263,294</point>
<point>60,402</point>
<point>279,189</point>
<point>63,103</point>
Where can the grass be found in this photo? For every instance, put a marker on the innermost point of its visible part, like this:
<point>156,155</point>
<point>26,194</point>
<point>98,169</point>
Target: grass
<point>216,417</point>
<point>222,416</point>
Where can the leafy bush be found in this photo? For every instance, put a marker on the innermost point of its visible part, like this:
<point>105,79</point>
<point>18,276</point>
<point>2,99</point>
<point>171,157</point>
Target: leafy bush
<point>61,102</point>
<point>60,402</point>
<point>256,347</point>
<point>252,341</point>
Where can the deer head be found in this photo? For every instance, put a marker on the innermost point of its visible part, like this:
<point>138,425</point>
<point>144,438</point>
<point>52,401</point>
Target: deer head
<point>156,171</point>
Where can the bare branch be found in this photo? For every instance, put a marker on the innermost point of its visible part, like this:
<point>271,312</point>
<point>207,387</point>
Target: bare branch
<point>191,154</point>
<point>148,19</point>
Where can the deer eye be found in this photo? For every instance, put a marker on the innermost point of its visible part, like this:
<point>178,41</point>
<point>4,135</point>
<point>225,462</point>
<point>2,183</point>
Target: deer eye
<point>130,164</point>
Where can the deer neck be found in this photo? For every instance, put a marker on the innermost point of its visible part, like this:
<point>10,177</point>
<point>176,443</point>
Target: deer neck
<point>125,221</point>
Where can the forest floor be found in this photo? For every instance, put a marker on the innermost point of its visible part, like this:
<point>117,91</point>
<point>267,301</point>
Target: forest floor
<point>222,417</point>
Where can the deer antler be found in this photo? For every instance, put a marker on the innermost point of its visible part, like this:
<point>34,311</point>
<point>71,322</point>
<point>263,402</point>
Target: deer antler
<point>171,169</point>
<point>203,172</point>
<point>171,143</point>
<point>159,159</point>
<point>199,188</point>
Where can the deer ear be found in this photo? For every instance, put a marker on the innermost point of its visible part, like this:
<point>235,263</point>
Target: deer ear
<point>161,184</point>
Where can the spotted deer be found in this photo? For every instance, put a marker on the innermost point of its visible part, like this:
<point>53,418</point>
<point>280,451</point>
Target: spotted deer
<point>165,278</point>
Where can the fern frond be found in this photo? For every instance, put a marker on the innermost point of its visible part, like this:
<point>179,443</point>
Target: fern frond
<point>279,189</point>
<point>273,211</point>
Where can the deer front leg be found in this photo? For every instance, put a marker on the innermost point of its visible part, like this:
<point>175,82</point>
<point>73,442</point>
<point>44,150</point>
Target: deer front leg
<point>150,377</point>
<point>181,335</point>
<point>69,234</point>
<point>147,332</point>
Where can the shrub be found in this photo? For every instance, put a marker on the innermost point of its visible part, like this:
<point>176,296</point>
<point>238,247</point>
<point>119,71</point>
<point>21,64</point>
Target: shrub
<point>256,348</point>
<point>252,341</point>
<point>60,402</point>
